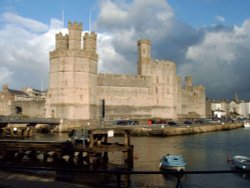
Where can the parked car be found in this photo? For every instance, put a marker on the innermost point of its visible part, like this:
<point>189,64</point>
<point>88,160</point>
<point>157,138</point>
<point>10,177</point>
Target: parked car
<point>187,122</point>
<point>172,123</point>
<point>200,121</point>
<point>133,122</point>
<point>126,122</point>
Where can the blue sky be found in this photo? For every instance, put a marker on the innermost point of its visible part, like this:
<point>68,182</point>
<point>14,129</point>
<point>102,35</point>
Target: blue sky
<point>44,10</point>
<point>208,39</point>
<point>204,12</point>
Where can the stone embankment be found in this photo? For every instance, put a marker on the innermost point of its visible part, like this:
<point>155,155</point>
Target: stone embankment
<point>183,130</point>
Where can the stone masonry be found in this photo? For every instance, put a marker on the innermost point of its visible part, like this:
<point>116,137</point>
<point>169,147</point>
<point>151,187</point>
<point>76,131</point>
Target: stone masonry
<point>76,88</point>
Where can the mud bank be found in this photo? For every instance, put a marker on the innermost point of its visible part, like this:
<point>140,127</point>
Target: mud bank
<point>173,131</point>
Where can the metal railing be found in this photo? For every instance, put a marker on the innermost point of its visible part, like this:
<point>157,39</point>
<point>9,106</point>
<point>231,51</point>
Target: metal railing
<point>120,173</point>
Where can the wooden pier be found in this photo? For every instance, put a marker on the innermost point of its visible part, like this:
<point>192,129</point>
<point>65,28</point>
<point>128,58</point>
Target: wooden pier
<point>23,127</point>
<point>82,152</point>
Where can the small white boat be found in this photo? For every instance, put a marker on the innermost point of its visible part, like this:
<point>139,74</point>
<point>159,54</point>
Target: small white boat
<point>172,162</point>
<point>247,124</point>
<point>241,162</point>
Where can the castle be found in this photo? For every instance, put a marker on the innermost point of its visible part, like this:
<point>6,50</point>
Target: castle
<point>76,88</point>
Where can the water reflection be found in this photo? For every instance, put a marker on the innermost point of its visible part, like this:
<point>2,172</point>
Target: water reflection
<point>208,151</point>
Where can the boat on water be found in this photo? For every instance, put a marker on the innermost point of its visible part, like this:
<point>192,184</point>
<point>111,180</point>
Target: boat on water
<point>241,162</point>
<point>247,124</point>
<point>172,163</point>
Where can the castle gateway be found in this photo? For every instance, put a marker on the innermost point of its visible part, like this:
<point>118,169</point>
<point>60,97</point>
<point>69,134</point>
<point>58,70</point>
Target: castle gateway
<point>76,88</point>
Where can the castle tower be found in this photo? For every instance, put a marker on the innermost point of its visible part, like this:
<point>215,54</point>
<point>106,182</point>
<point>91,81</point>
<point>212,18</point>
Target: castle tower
<point>73,76</point>
<point>144,57</point>
<point>188,81</point>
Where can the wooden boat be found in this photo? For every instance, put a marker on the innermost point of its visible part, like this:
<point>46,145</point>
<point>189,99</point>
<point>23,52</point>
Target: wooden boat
<point>241,162</point>
<point>172,162</point>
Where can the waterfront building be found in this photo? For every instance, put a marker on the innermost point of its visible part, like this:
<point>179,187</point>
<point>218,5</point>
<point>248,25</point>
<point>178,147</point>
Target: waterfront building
<point>76,87</point>
<point>229,108</point>
<point>28,102</point>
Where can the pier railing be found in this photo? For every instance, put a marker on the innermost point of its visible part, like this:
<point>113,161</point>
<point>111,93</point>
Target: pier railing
<point>119,173</point>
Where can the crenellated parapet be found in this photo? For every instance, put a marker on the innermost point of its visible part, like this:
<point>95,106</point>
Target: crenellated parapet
<point>75,35</point>
<point>90,41</point>
<point>75,26</point>
<point>121,80</point>
<point>61,41</point>
<point>71,43</point>
<point>71,53</point>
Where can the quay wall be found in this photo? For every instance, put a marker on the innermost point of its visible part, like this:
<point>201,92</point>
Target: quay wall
<point>174,131</point>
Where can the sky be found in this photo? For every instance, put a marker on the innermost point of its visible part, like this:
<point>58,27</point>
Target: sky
<point>207,39</point>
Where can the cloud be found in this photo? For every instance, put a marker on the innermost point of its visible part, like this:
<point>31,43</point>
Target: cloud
<point>154,20</point>
<point>5,74</point>
<point>25,46</point>
<point>29,24</point>
<point>221,61</point>
<point>129,22</point>
<point>220,18</point>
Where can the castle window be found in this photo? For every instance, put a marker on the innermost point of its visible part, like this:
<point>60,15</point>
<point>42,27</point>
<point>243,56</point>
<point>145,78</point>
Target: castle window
<point>18,110</point>
<point>156,90</point>
<point>143,51</point>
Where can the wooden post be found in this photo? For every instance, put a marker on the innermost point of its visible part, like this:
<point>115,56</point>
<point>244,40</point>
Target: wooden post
<point>127,138</point>
<point>91,145</point>
<point>105,155</point>
<point>127,156</point>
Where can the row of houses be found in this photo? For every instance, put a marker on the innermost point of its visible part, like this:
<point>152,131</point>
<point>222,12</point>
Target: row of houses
<point>31,102</point>
<point>234,108</point>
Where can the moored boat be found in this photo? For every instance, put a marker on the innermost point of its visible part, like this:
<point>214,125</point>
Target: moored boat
<point>172,162</point>
<point>247,124</point>
<point>241,162</point>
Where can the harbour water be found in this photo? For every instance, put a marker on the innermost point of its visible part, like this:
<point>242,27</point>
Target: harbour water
<point>208,151</point>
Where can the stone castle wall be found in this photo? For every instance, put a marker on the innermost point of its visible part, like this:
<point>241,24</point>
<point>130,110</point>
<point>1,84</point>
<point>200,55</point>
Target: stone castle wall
<point>33,108</point>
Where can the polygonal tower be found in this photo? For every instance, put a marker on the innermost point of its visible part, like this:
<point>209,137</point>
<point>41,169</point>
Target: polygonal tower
<point>73,76</point>
<point>144,57</point>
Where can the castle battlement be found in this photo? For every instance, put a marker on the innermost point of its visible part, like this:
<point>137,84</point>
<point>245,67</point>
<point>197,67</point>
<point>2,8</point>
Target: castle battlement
<point>75,26</point>
<point>123,76</point>
<point>90,41</point>
<point>61,41</point>
<point>144,41</point>
<point>164,62</point>
<point>90,35</point>
<point>122,80</point>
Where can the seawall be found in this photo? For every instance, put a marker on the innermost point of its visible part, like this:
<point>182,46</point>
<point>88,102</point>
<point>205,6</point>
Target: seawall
<point>173,131</point>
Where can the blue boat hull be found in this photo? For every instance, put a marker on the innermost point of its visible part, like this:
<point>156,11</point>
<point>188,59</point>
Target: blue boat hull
<point>172,163</point>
